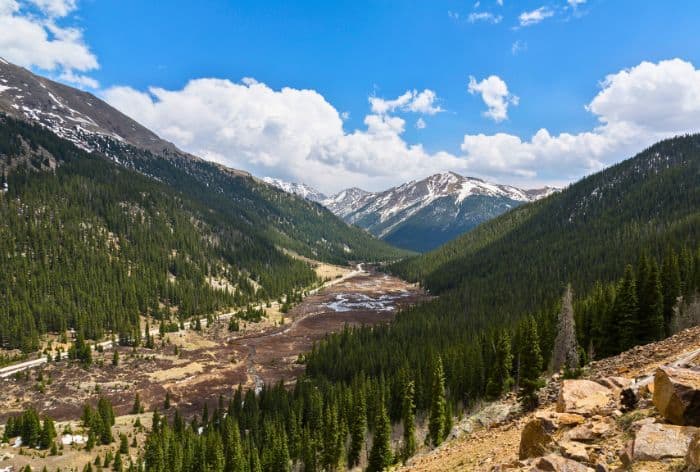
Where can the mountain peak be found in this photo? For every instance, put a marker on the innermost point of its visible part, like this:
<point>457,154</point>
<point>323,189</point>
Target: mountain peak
<point>300,189</point>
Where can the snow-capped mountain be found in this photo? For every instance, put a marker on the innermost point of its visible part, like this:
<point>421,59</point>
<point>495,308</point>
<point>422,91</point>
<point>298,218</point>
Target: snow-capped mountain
<point>421,215</point>
<point>300,189</point>
<point>348,201</point>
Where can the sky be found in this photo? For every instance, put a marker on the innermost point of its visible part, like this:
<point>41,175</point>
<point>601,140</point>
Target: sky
<point>375,93</point>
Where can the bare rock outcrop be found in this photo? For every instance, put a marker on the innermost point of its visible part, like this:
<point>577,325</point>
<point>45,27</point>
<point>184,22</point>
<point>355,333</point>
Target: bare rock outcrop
<point>556,463</point>
<point>677,395</point>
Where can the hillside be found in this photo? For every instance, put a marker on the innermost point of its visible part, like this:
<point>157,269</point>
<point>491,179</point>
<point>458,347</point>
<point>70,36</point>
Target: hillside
<point>601,222</point>
<point>491,437</point>
<point>100,229</point>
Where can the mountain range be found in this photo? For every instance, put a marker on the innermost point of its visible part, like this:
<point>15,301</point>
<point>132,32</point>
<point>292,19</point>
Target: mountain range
<point>421,215</point>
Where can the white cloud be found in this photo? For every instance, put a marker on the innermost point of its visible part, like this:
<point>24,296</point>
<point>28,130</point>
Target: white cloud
<point>518,46</point>
<point>494,93</point>
<point>297,135</point>
<point>412,100</point>
<point>288,133</point>
<point>635,108</point>
<point>486,17</point>
<point>420,123</point>
<point>31,37</point>
<point>533,17</point>
<point>500,2</point>
<point>575,3</point>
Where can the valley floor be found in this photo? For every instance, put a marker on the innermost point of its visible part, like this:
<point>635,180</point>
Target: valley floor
<point>197,367</point>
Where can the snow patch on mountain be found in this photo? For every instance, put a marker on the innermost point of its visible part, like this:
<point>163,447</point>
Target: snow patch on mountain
<point>300,189</point>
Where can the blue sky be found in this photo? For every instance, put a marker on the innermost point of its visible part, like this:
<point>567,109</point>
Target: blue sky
<point>552,56</point>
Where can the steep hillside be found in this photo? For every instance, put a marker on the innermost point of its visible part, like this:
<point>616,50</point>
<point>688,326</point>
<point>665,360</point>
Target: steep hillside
<point>93,125</point>
<point>584,233</point>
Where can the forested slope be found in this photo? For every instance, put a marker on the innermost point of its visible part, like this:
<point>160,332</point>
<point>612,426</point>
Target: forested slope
<point>90,244</point>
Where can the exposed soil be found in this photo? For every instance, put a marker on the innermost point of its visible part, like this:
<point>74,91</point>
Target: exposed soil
<point>198,367</point>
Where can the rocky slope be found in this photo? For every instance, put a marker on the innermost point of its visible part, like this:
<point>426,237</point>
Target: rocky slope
<point>636,411</point>
<point>299,189</point>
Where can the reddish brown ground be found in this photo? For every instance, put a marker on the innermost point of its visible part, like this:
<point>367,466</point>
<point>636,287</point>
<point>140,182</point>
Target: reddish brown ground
<point>209,364</point>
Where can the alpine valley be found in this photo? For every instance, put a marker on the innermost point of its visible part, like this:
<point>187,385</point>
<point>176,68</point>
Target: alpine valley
<point>163,312</point>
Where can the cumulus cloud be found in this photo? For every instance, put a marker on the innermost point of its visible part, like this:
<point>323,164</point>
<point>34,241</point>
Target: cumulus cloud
<point>31,37</point>
<point>288,133</point>
<point>413,101</point>
<point>533,17</point>
<point>420,123</point>
<point>298,135</point>
<point>635,108</point>
<point>494,93</point>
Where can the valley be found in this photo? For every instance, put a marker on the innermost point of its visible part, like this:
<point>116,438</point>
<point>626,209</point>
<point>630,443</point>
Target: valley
<point>196,367</point>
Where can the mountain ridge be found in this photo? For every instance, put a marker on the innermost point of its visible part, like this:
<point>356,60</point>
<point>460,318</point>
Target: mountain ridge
<point>422,214</point>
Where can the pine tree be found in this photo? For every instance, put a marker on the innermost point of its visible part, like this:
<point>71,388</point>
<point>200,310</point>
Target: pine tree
<point>500,380</point>
<point>530,364</point>
<point>565,354</point>
<point>380,455</point>
<point>651,305</point>
<point>408,418</point>
<point>671,286</point>
<point>358,429</point>
<point>626,311</point>
<point>436,423</point>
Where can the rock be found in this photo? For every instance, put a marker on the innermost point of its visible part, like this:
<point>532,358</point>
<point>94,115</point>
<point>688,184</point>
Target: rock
<point>555,463</point>
<point>626,455</point>
<point>535,438</point>
<point>560,420</point>
<point>677,395</point>
<point>615,383</point>
<point>657,441</point>
<point>590,432</point>
<point>692,458</point>
<point>574,450</point>
<point>584,397</point>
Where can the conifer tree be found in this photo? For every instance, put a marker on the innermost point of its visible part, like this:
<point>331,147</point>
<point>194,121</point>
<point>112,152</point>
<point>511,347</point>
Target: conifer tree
<point>651,304</point>
<point>438,409</point>
<point>358,428</point>
<point>530,364</point>
<point>565,354</point>
<point>671,285</point>
<point>500,379</point>
<point>408,418</point>
<point>380,455</point>
<point>626,310</point>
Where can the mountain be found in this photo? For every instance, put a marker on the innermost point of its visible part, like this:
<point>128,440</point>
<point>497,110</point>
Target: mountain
<point>299,189</point>
<point>102,222</point>
<point>421,215</point>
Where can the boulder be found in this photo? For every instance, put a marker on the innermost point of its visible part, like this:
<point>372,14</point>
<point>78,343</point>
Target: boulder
<point>657,441</point>
<point>573,450</point>
<point>561,420</point>
<point>535,438</point>
<point>692,457</point>
<point>677,395</point>
<point>584,397</point>
<point>556,463</point>
<point>591,431</point>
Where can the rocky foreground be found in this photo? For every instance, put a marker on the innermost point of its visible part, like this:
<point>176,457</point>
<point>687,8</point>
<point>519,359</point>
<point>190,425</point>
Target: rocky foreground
<point>638,411</point>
